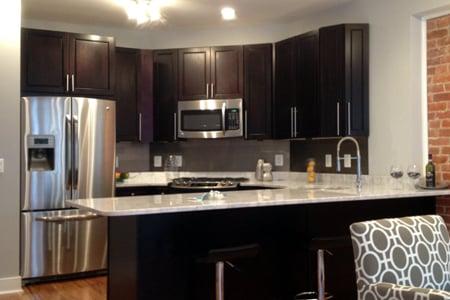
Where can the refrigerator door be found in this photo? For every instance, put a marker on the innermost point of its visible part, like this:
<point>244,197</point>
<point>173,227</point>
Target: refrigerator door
<point>45,162</point>
<point>94,143</point>
<point>62,242</point>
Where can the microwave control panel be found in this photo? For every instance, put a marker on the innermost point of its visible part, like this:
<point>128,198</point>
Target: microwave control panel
<point>233,119</point>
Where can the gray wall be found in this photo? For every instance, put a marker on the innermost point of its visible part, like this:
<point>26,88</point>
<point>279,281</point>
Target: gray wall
<point>9,145</point>
<point>222,155</point>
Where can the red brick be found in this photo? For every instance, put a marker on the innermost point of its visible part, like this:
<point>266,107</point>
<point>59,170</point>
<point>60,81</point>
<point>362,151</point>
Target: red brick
<point>441,97</point>
<point>434,61</point>
<point>431,44</point>
<point>441,159</point>
<point>435,124</point>
<point>445,123</point>
<point>441,78</point>
<point>445,150</point>
<point>444,132</point>
<point>438,106</point>
<point>437,52</point>
<point>435,34</point>
<point>431,25</point>
<point>442,70</point>
<point>439,142</point>
<point>433,133</point>
<point>443,22</point>
<point>434,150</point>
<point>436,88</point>
<point>443,115</point>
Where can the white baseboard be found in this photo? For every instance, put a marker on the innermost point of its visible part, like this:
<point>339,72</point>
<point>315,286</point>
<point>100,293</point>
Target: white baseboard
<point>10,285</point>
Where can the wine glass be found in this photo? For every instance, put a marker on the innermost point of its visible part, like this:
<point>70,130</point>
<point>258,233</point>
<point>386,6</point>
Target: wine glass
<point>413,173</point>
<point>396,173</point>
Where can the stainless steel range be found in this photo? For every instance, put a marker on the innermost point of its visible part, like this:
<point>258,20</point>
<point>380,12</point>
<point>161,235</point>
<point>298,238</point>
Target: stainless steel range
<point>207,183</point>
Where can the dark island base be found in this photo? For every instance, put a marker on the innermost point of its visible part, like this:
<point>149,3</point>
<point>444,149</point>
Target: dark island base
<point>155,257</point>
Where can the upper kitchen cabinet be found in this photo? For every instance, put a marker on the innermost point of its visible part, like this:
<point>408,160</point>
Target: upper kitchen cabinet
<point>92,64</point>
<point>165,91</point>
<point>44,62</point>
<point>227,72</point>
<point>344,80</point>
<point>67,64</point>
<point>194,67</point>
<point>134,95</point>
<point>258,91</point>
<point>285,89</point>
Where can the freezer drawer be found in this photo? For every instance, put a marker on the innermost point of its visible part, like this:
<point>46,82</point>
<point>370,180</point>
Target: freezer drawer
<point>62,242</point>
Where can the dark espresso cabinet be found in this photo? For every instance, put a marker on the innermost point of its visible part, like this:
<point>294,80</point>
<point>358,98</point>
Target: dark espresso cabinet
<point>344,80</point>
<point>210,73</point>
<point>67,63</point>
<point>258,91</point>
<point>165,92</point>
<point>134,95</point>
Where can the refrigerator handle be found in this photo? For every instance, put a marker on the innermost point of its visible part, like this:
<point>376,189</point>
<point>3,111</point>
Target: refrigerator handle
<point>75,152</point>
<point>68,154</point>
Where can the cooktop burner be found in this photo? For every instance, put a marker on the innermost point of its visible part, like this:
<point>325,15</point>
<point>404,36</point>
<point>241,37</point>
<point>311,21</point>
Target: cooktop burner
<point>207,183</point>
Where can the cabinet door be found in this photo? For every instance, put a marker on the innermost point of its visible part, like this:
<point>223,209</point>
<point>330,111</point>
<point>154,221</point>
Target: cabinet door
<point>165,85</point>
<point>92,64</point>
<point>306,102</point>
<point>227,72</point>
<point>258,91</point>
<point>126,95</point>
<point>357,79</point>
<point>194,74</point>
<point>145,92</point>
<point>332,77</point>
<point>44,62</point>
<point>284,89</point>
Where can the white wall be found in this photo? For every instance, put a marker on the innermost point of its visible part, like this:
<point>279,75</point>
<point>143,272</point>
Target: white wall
<point>10,12</point>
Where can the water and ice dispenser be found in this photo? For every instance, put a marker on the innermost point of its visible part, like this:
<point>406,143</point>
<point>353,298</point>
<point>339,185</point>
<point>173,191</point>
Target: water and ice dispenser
<point>41,152</point>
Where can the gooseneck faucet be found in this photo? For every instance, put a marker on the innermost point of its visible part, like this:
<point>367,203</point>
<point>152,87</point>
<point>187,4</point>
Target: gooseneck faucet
<point>357,158</point>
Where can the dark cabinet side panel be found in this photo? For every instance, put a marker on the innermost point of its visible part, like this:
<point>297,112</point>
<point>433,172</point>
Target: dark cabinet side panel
<point>44,59</point>
<point>126,94</point>
<point>258,91</point>
<point>194,73</point>
<point>92,64</point>
<point>227,72</point>
<point>165,91</point>
<point>285,85</point>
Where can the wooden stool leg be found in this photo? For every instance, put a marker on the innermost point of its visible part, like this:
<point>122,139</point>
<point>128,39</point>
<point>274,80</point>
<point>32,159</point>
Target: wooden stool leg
<point>220,285</point>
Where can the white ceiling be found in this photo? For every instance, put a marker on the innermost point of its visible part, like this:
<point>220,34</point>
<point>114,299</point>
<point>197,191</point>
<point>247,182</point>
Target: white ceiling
<point>184,14</point>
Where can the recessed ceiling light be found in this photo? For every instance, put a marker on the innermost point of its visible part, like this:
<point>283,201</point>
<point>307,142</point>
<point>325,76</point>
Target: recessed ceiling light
<point>228,13</point>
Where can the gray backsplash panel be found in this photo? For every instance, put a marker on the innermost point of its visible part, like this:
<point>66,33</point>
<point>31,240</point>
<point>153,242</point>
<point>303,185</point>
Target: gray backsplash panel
<point>302,150</point>
<point>222,155</point>
<point>133,157</point>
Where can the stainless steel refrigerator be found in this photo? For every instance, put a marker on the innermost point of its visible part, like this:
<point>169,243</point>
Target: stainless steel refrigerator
<point>68,152</point>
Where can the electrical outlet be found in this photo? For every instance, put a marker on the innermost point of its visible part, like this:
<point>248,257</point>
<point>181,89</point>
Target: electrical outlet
<point>347,161</point>
<point>279,160</point>
<point>2,165</point>
<point>328,161</point>
<point>179,161</point>
<point>157,161</point>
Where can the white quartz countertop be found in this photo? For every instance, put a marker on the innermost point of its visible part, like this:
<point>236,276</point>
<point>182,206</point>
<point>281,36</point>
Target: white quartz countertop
<point>292,191</point>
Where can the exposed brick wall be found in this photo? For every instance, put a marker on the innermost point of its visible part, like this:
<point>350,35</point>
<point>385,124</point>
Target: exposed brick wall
<point>438,54</point>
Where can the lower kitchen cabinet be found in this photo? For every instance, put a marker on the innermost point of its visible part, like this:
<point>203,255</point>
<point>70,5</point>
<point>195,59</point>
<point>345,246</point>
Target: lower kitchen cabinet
<point>258,91</point>
<point>165,67</point>
<point>142,191</point>
<point>134,95</point>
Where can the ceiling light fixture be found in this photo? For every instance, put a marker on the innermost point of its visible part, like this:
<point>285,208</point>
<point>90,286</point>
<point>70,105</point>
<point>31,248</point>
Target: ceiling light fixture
<point>143,11</point>
<point>228,13</point>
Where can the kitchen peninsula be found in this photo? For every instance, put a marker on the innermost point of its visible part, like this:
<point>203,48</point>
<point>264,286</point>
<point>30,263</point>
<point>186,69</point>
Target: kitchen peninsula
<point>156,243</point>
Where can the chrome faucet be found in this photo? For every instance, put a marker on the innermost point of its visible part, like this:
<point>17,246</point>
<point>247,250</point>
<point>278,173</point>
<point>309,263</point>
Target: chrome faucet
<point>357,158</point>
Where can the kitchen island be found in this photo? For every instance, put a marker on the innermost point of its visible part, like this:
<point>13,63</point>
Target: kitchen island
<point>156,243</point>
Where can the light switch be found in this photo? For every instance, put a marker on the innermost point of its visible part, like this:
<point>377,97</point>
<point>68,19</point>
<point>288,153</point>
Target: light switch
<point>2,165</point>
<point>279,160</point>
<point>328,161</point>
<point>347,161</point>
<point>157,161</point>
<point>179,161</point>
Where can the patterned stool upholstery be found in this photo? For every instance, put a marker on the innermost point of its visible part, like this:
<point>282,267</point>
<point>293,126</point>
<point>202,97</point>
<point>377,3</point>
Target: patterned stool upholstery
<point>406,258</point>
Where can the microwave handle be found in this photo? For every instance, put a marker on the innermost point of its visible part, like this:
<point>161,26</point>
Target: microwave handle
<point>224,109</point>
<point>175,126</point>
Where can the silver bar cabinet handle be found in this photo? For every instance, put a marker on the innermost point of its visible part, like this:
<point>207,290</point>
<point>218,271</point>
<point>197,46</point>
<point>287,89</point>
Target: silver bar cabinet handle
<point>349,119</point>
<point>246,124</point>
<point>140,127</point>
<point>224,109</point>
<point>292,122</point>
<point>60,219</point>
<point>67,82</point>
<point>175,126</point>
<point>212,90</point>
<point>338,118</point>
<point>73,83</point>
<point>295,121</point>
<point>76,154</point>
<point>207,91</point>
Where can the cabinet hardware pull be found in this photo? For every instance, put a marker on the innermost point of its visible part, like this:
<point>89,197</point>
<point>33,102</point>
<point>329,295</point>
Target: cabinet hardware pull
<point>224,110</point>
<point>338,118</point>
<point>73,83</point>
<point>175,126</point>
<point>292,122</point>
<point>140,127</point>
<point>67,82</point>
<point>207,91</point>
<point>349,111</point>
<point>246,124</point>
<point>295,121</point>
<point>212,90</point>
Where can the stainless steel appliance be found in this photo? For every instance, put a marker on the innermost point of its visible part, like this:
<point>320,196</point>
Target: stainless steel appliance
<point>207,183</point>
<point>210,119</point>
<point>68,152</point>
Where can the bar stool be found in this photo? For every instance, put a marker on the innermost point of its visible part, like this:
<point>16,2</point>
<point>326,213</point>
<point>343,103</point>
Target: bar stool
<point>322,246</point>
<point>226,256</point>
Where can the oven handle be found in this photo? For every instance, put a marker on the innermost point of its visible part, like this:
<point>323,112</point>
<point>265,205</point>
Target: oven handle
<point>224,109</point>
<point>62,219</point>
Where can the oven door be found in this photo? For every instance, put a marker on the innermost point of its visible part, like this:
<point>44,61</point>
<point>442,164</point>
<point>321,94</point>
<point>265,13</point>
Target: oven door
<point>210,119</point>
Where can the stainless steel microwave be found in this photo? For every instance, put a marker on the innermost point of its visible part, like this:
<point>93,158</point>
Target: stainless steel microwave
<point>210,119</point>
